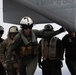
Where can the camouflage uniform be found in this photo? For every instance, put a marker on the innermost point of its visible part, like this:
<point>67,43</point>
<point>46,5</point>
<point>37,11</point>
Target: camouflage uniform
<point>2,69</point>
<point>4,47</point>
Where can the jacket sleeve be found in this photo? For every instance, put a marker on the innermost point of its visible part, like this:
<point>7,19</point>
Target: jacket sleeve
<point>60,49</point>
<point>40,54</point>
<point>3,50</point>
<point>13,46</point>
<point>65,40</point>
<point>45,34</point>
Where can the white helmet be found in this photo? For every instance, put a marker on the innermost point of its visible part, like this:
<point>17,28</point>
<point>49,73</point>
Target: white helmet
<point>26,21</point>
<point>13,29</point>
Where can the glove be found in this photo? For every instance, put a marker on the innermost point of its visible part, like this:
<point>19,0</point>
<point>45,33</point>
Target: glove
<point>40,65</point>
<point>59,64</point>
<point>9,73</point>
<point>8,66</point>
<point>62,29</point>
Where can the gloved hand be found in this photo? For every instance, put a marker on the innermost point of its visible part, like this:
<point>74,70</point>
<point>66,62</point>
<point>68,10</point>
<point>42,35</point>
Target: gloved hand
<point>8,66</point>
<point>62,29</point>
<point>40,65</point>
<point>9,73</point>
<point>59,64</point>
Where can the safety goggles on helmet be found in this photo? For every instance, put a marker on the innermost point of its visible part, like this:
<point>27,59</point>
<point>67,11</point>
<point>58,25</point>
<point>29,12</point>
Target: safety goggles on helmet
<point>13,34</point>
<point>27,27</point>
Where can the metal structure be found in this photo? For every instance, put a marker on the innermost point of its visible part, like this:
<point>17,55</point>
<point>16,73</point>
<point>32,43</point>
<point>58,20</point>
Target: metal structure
<point>62,12</point>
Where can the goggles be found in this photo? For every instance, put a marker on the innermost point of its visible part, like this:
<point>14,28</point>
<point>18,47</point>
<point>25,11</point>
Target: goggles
<point>13,33</point>
<point>27,27</point>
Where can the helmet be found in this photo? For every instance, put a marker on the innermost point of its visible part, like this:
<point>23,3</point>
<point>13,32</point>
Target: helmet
<point>26,22</point>
<point>48,27</point>
<point>13,29</point>
<point>1,30</point>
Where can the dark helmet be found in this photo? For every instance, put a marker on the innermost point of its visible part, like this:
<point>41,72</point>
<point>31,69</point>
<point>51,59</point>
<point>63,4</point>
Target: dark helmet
<point>26,22</point>
<point>1,30</point>
<point>48,27</point>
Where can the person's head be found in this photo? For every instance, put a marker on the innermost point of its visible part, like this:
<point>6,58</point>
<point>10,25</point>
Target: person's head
<point>1,31</point>
<point>26,24</point>
<point>48,27</point>
<point>13,30</point>
<point>71,33</point>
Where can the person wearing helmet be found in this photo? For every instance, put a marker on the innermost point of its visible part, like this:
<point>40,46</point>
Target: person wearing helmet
<point>12,32</point>
<point>48,27</point>
<point>50,54</point>
<point>69,44</point>
<point>26,46</point>
<point>2,69</point>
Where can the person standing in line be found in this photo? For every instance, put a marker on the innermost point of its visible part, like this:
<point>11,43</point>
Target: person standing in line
<point>50,54</point>
<point>69,44</point>
<point>13,30</point>
<point>2,69</point>
<point>26,46</point>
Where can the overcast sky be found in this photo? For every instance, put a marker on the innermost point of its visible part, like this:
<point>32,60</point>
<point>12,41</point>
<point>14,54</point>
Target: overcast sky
<point>39,26</point>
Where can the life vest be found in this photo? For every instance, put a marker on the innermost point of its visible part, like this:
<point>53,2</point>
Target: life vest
<point>49,49</point>
<point>29,47</point>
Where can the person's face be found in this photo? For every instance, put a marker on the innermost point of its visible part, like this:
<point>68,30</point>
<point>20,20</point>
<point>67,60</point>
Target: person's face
<point>13,35</point>
<point>27,31</point>
<point>72,34</point>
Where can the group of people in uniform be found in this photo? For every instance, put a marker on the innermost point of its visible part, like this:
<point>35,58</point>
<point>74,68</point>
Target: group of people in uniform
<point>20,51</point>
